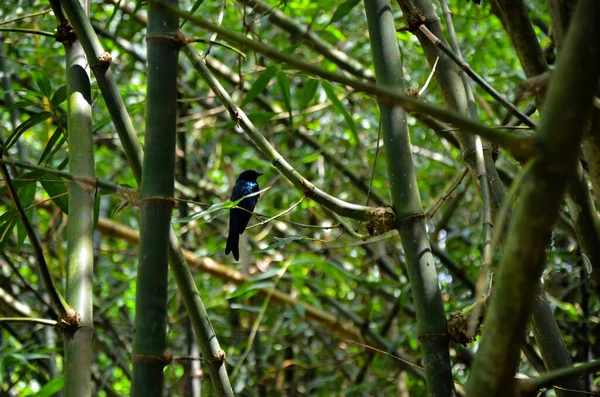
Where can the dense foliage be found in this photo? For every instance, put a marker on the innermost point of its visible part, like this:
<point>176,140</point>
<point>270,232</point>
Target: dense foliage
<point>341,320</point>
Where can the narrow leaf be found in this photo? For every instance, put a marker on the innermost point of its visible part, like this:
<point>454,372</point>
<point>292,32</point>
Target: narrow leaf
<point>53,142</point>
<point>202,214</point>
<point>6,227</point>
<point>284,87</point>
<point>250,288</point>
<point>57,191</point>
<point>279,243</point>
<point>24,126</point>
<point>26,196</point>
<point>42,80</point>
<point>59,96</point>
<point>18,105</point>
<point>259,85</point>
<point>51,388</point>
<point>194,8</point>
<point>307,92</point>
<point>343,10</point>
<point>340,107</point>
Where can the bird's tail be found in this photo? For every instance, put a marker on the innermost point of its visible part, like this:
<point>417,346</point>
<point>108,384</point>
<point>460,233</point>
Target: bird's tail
<point>233,245</point>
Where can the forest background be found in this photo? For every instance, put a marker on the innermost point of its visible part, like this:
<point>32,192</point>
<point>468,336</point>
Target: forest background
<point>449,250</point>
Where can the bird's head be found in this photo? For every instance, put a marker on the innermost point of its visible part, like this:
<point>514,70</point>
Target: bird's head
<point>249,175</point>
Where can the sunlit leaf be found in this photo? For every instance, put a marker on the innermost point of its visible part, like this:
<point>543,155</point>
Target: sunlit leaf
<point>284,88</point>
<point>250,288</point>
<point>42,81</point>
<point>307,92</point>
<point>59,96</point>
<point>341,108</point>
<point>24,126</point>
<point>342,10</point>
<point>259,85</point>
<point>51,388</point>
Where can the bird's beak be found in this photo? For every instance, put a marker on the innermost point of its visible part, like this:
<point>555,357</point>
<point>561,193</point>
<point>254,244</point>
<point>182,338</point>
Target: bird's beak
<point>260,173</point>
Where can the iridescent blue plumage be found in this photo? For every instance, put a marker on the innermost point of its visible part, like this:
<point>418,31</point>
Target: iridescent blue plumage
<point>238,217</point>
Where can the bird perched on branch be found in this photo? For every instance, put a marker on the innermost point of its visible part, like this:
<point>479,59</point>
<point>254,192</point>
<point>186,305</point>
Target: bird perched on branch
<point>238,217</point>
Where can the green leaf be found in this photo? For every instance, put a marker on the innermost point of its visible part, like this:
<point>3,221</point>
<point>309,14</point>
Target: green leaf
<point>6,226</point>
<point>53,142</point>
<point>51,388</point>
<point>259,85</point>
<point>194,8</point>
<point>261,117</point>
<point>250,288</point>
<point>341,108</point>
<point>279,243</point>
<point>202,214</point>
<point>343,10</point>
<point>57,190</point>
<point>24,126</point>
<point>26,196</point>
<point>59,96</point>
<point>311,158</point>
<point>42,80</point>
<point>272,272</point>
<point>307,93</point>
<point>284,87</point>
<point>18,105</point>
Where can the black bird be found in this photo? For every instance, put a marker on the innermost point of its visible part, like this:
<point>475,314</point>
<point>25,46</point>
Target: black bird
<point>238,217</point>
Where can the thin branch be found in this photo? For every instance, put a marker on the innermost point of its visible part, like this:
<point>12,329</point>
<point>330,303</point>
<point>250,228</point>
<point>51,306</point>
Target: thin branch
<point>519,145</point>
<point>28,320</point>
<point>478,79</point>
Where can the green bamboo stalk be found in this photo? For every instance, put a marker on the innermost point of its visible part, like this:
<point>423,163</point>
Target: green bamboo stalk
<point>99,61</point>
<point>80,264</point>
<point>454,94</point>
<point>431,320</point>
<point>133,150</point>
<point>156,203</point>
<point>533,385</point>
<point>567,108</point>
<point>514,16</point>
<point>57,299</point>
<point>484,183</point>
<point>552,345</point>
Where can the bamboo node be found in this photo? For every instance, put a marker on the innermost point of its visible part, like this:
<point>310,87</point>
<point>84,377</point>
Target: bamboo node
<point>414,19</point>
<point>177,38</point>
<point>69,323</point>
<point>220,356</point>
<point>380,220</point>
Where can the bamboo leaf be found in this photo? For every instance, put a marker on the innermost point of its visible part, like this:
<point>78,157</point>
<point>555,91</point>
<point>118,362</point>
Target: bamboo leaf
<point>24,126</point>
<point>341,108</point>
<point>57,190</point>
<point>284,87</point>
<point>343,10</point>
<point>250,288</point>
<point>51,388</point>
<point>259,85</point>
<point>18,105</point>
<point>7,222</point>
<point>194,8</point>
<point>307,93</point>
<point>53,142</point>
<point>42,81</point>
<point>279,243</point>
<point>26,196</point>
<point>202,214</point>
<point>59,96</point>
